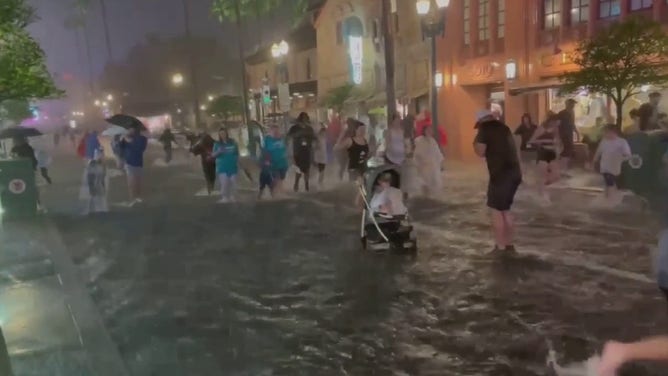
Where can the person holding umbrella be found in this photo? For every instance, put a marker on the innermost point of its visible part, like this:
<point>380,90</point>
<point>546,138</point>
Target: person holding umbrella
<point>226,154</point>
<point>133,145</point>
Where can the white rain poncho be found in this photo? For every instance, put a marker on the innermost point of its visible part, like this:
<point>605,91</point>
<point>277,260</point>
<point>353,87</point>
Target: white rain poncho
<point>428,160</point>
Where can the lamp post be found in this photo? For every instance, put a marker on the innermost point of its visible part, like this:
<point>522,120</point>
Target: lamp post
<point>279,51</point>
<point>433,25</point>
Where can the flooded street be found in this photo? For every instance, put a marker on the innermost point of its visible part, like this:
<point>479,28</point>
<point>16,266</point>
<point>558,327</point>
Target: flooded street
<point>187,287</point>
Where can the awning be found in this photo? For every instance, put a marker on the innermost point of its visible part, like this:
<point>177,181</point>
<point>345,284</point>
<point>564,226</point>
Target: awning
<point>552,83</point>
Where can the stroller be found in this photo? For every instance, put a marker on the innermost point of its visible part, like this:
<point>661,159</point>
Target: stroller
<point>381,232</point>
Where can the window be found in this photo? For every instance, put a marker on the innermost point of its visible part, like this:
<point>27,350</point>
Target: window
<point>467,22</point>
<point>551,14</point>
<point>609,8</point>
<point>309,75</point>
<point>579,11</point>
<point>641,4</point>
<point>339,33</point>
<point>501,31</point>
<point>483,19</point>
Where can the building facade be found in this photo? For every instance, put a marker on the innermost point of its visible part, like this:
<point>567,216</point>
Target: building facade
<point>506,55</point>
<point>351,51</point>
<point>299,68</point>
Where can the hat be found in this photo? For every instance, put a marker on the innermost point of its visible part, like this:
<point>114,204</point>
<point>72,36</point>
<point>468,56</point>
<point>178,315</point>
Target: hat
<point>481,114</point>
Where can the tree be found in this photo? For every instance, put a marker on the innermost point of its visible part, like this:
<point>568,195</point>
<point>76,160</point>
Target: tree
<point>23,73</point>
<point>619,60</point>
<point>77,22</point>
<point>239,10</point>
<point>336,97</point>
<point>225,106</point>
<point>15,111</point>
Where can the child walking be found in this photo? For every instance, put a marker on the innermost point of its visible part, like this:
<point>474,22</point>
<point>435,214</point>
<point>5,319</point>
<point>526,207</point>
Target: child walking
<point>611,153</point>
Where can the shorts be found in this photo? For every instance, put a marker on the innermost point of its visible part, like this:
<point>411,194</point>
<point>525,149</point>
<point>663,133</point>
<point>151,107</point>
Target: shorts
<point>266,179</point>
<point>303,164</point>
<point>545,155</point>
<point>569,148</point>
<point>610,180</point>
<point>134,171</point>
<point>355,172</point>
<point>279,173</point>
<point>501,192</point>
<point>321,167</point>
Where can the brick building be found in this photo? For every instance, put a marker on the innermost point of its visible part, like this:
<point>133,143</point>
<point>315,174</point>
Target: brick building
<point>487,42</point>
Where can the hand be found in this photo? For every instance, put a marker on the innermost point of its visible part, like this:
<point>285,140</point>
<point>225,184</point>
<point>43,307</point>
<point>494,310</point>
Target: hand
<point>613,356</point>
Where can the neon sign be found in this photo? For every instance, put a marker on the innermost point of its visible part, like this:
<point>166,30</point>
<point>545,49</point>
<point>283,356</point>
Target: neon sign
<point>356,52</point>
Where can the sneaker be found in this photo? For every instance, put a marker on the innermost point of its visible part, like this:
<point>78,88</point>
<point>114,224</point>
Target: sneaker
<point>223,201</point>
<point>139,200</point>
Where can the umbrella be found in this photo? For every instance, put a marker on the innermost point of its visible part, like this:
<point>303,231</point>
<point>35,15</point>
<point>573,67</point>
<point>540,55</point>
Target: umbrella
<point>114,130</point>
<point>126,121</point>
<point>19,132</point>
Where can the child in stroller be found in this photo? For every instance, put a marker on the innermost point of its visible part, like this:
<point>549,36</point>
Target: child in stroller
<point>385,222</point>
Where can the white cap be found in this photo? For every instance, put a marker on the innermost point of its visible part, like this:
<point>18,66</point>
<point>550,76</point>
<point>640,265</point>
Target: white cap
<point>481,114</point>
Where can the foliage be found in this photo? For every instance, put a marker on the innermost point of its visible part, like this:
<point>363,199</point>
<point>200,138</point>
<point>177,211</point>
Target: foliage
<point>15,111</point>
<point>225,106</point>
<point>619,60</point>
<point>23,73</point>
<point>15,14</point>
<point>225,10</point>
<point>337,97</point>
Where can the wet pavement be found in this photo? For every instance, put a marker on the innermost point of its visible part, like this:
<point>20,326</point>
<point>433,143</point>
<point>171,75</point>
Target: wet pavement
<point>188,287</point>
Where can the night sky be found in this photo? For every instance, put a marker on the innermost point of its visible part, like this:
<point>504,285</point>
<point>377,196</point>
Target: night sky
<point>130,21</point>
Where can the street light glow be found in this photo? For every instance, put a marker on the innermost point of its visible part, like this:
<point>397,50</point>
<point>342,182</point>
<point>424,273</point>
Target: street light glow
<point>442,3</point>
<point>177,79</point>
<point>97,102</point>
<point>284,47</point>
<point>438,80</point>
<point>275,50</point>
<point>104,104</point>
<point>110,97</point>
<point>210,98</point>
<point>423,7</point>
<point>202,107</point>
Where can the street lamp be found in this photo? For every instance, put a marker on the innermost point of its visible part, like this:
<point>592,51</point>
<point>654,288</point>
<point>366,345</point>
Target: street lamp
<point>279,51</point>
<point>433,25</point>
<point>210,98</point>
<point>97,103</point>
<point>110,97</point>
<point>177,79</point>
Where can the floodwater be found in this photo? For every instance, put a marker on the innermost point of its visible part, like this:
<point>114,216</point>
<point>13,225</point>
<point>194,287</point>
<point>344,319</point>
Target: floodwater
<point>187,287</point>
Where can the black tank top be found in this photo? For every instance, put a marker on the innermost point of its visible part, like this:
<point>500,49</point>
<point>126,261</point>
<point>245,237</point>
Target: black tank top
<point>357,155</point>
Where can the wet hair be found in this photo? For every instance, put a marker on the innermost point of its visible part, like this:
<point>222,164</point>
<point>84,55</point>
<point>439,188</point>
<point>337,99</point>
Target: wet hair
<point>303,116</point>
<point>223,129</point>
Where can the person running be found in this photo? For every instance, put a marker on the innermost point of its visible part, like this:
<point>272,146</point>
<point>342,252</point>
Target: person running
<point>395,142</point>
<point>567,129</point>
<point>167,139</point>
<point>545,140</point>
<point>276,150</point>
<point>202,146</point>
<point>612,152</point>
<point>496,144</point>
<point>226,153</point>
<point>134,145</point>
<point>303,137</point>
<point>43,162</point>
<point>320,154</point>
<point>525,130</point>
<point>357,149</point>
<point>429,161</point>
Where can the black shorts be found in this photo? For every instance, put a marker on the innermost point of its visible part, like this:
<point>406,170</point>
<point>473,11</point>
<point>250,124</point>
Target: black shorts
<point>610,180</point>
<point>321,167</point>
<point>569,147</point>
<point>545,155</point>
<point>303,163</point>
<point>501,191</point>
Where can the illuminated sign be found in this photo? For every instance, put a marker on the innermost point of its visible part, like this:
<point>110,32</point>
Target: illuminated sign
<point>355,49</point>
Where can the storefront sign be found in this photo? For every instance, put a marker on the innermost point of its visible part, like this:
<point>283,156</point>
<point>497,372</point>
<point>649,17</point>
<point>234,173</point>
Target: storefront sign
<point>482,71</point>
<point>563,58</point>
<point>355,49</point>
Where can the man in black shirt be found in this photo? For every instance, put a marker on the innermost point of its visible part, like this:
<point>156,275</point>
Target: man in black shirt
<point>566,130</point>
<point>302,136</point>
<point>22,149</point>
<point>649,112</point>
<point>495,143</point>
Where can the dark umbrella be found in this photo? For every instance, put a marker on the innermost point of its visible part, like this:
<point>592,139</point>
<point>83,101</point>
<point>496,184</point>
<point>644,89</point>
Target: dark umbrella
<point>126,121</point>
<point>19,132</point>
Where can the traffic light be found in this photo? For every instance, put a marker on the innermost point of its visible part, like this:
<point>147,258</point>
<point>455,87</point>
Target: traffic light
<point>266,94</point>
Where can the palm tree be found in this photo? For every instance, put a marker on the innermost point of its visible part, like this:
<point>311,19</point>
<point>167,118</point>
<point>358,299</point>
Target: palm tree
<point>239,10</point>
<point>105,23</point>
<point>77,22</point>
<point>194,87</point>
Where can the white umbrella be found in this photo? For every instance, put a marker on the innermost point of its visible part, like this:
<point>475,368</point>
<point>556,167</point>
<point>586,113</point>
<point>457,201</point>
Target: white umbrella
<point>114,130</point>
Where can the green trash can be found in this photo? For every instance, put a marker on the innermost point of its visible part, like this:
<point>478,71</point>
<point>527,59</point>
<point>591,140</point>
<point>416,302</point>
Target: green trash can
<point>18,192</point>
<point>647,180</point>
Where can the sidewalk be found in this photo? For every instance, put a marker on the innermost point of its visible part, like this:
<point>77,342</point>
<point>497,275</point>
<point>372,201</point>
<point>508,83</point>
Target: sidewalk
<point>49,322</point>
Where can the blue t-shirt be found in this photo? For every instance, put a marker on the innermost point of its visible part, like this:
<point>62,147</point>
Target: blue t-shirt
<point>92,145</point>
<point>133,150</point>
<point>276,149</point>
<point>227,162</point>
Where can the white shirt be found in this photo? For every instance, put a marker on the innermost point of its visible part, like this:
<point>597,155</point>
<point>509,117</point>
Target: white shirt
<point>613,152</point>
<point>391,197</point>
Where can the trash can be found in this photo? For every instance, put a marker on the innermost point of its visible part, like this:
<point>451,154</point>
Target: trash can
<point>648,148</point>
<point>18,193</point>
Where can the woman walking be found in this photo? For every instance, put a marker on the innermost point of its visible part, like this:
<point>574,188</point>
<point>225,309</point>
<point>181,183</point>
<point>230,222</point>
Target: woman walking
<point>429,161</point>
<point>226,153</point>
<point>320,154</point>
<point>276,151</point>
<point>395,142</point>
<point>303,138</point>
<point>204,148</point>
<point>546,139</point>
<point>357,149</point>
